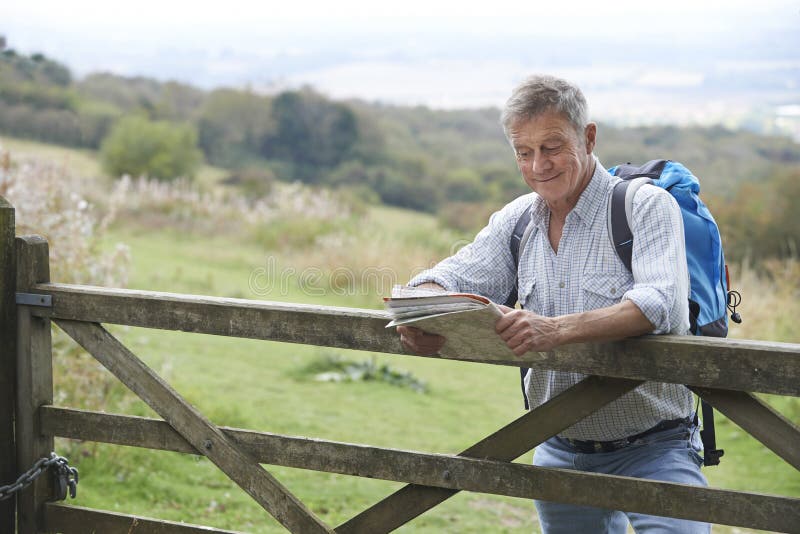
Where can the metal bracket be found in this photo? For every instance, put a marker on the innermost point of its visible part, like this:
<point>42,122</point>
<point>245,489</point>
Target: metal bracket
<point>34,299</point>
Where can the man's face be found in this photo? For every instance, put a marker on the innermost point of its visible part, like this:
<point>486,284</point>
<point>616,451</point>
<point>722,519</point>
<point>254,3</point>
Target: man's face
<point>554,160</point>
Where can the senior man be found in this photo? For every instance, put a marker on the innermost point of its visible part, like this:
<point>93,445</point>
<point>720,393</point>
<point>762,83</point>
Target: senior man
<point>574,288</point>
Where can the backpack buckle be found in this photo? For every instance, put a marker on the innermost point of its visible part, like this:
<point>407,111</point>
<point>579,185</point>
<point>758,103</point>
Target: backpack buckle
<point>711,457</point>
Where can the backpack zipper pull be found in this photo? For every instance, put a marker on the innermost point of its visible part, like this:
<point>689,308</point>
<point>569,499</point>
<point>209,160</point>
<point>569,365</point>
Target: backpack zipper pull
<point>734,298</point>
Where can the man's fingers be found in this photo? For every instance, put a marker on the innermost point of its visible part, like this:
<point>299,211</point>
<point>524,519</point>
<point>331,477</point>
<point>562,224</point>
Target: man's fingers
<point>420,342</point>
<point>502,324</point>
<point>403,329</point>
<point>427,342</point>
<point>518,344</point>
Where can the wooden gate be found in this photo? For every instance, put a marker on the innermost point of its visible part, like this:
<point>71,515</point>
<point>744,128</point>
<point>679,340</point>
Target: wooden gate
<point>724,372</point>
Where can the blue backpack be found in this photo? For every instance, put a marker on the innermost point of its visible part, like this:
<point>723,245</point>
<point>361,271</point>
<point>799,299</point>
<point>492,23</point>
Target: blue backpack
<point>710,297</point>
<point>709,293</point>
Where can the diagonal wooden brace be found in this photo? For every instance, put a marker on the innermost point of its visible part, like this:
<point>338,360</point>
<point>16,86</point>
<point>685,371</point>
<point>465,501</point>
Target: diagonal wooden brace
<point>757,418</point>
<point>201,433</point>
<point>507,444</point>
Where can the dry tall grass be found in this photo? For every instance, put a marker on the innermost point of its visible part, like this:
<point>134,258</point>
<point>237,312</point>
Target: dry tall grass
<point>770,301</point>
<point>50,201</point>
<point>215,210</point>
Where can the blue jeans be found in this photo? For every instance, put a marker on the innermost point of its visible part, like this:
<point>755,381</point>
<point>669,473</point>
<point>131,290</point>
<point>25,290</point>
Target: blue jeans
<point>670,455</point>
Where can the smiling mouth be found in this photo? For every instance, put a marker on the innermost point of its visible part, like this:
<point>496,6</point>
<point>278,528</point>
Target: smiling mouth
<point>542,180</point>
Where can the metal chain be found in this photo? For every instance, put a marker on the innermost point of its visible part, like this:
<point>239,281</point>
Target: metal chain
<point>66,477</point>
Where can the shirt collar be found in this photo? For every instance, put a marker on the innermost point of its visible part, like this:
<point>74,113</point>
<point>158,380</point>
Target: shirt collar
<point>595,194</point>
<point>590,201</point>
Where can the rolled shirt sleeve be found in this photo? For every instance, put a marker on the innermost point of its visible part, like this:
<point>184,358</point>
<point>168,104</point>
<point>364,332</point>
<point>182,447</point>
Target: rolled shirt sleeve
<point>660,272</point>
<point>484,266</point>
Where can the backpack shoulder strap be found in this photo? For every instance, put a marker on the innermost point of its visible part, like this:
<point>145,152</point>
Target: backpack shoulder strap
<point>711,454</point>
<point>621,204</point>
<point>652,169</point>
<point>520,236</point>
<point>619,216</point>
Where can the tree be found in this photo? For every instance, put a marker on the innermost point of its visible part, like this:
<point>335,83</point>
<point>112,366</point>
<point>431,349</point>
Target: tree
<point>761,221</point>
<point>159,149</point>
<point>233,126</point>
<point>463,185</point>
<point>312,133</point>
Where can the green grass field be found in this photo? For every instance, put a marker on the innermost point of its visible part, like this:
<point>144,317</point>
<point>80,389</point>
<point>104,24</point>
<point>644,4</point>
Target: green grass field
<point>263,386</point>
<point>261,389</point>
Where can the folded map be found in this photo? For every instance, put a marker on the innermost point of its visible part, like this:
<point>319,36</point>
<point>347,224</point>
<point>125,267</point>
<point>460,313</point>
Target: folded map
<point>465,320</point>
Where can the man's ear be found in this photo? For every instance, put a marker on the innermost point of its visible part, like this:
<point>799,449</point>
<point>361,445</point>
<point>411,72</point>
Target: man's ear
<point>590,136</point>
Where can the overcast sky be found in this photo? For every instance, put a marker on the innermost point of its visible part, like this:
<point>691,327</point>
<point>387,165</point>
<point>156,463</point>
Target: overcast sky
<point>440,53</point>
<point>185,16</point>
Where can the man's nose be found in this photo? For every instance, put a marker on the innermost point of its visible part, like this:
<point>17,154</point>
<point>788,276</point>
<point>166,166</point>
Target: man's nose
<point>540,163</point>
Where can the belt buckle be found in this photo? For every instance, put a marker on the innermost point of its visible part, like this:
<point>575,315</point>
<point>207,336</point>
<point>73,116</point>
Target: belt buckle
<point>579,445</point>
<point>590,447</point>
<point>610,446</point>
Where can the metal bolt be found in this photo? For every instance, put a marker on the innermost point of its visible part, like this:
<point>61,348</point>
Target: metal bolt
<point>446,475</point>
<point>207,444</point>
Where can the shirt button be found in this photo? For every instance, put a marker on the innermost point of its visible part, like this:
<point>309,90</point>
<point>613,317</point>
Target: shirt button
<point>561,285</point>
<point>613,290</point>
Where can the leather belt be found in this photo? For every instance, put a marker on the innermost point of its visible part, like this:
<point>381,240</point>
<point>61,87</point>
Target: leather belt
<point>591,447</point>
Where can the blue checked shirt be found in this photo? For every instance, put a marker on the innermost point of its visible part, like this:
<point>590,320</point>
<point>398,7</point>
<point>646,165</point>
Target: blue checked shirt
<point>587,274</point>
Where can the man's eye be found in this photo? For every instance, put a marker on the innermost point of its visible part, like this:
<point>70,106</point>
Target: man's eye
<point>552,148</point>
<point>523,154</point>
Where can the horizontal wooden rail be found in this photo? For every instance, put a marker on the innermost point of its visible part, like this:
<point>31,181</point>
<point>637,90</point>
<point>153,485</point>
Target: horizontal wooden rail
<point>78,520</point>
<point>737,508</point>
<point>740,365</point>
<point>277,321</point>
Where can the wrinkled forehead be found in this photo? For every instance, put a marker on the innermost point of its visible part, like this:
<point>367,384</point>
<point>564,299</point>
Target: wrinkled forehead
<point>543,125</point>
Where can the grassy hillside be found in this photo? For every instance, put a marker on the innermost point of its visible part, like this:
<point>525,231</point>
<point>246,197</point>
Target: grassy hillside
<point>263,388</point>
<point>84,162</point>
<point>267,386</point>
<point>182,247</point>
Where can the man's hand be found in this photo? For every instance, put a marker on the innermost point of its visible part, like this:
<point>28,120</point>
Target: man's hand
<point>524,331</point>
<point>420,342</point>
<point>416,340</point>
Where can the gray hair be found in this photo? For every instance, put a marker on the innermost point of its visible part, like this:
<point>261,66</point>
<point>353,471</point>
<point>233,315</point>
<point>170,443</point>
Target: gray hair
<point>542,93</point>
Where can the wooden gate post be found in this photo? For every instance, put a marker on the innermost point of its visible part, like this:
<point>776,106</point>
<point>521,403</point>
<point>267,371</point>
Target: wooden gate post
<point>8,358</point>
<point>34,383</point>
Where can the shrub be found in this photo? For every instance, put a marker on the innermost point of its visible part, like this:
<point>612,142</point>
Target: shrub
<point>158,149</point>
<point>466,217</point>
<point>254,182</point>
<point>334,368</point>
